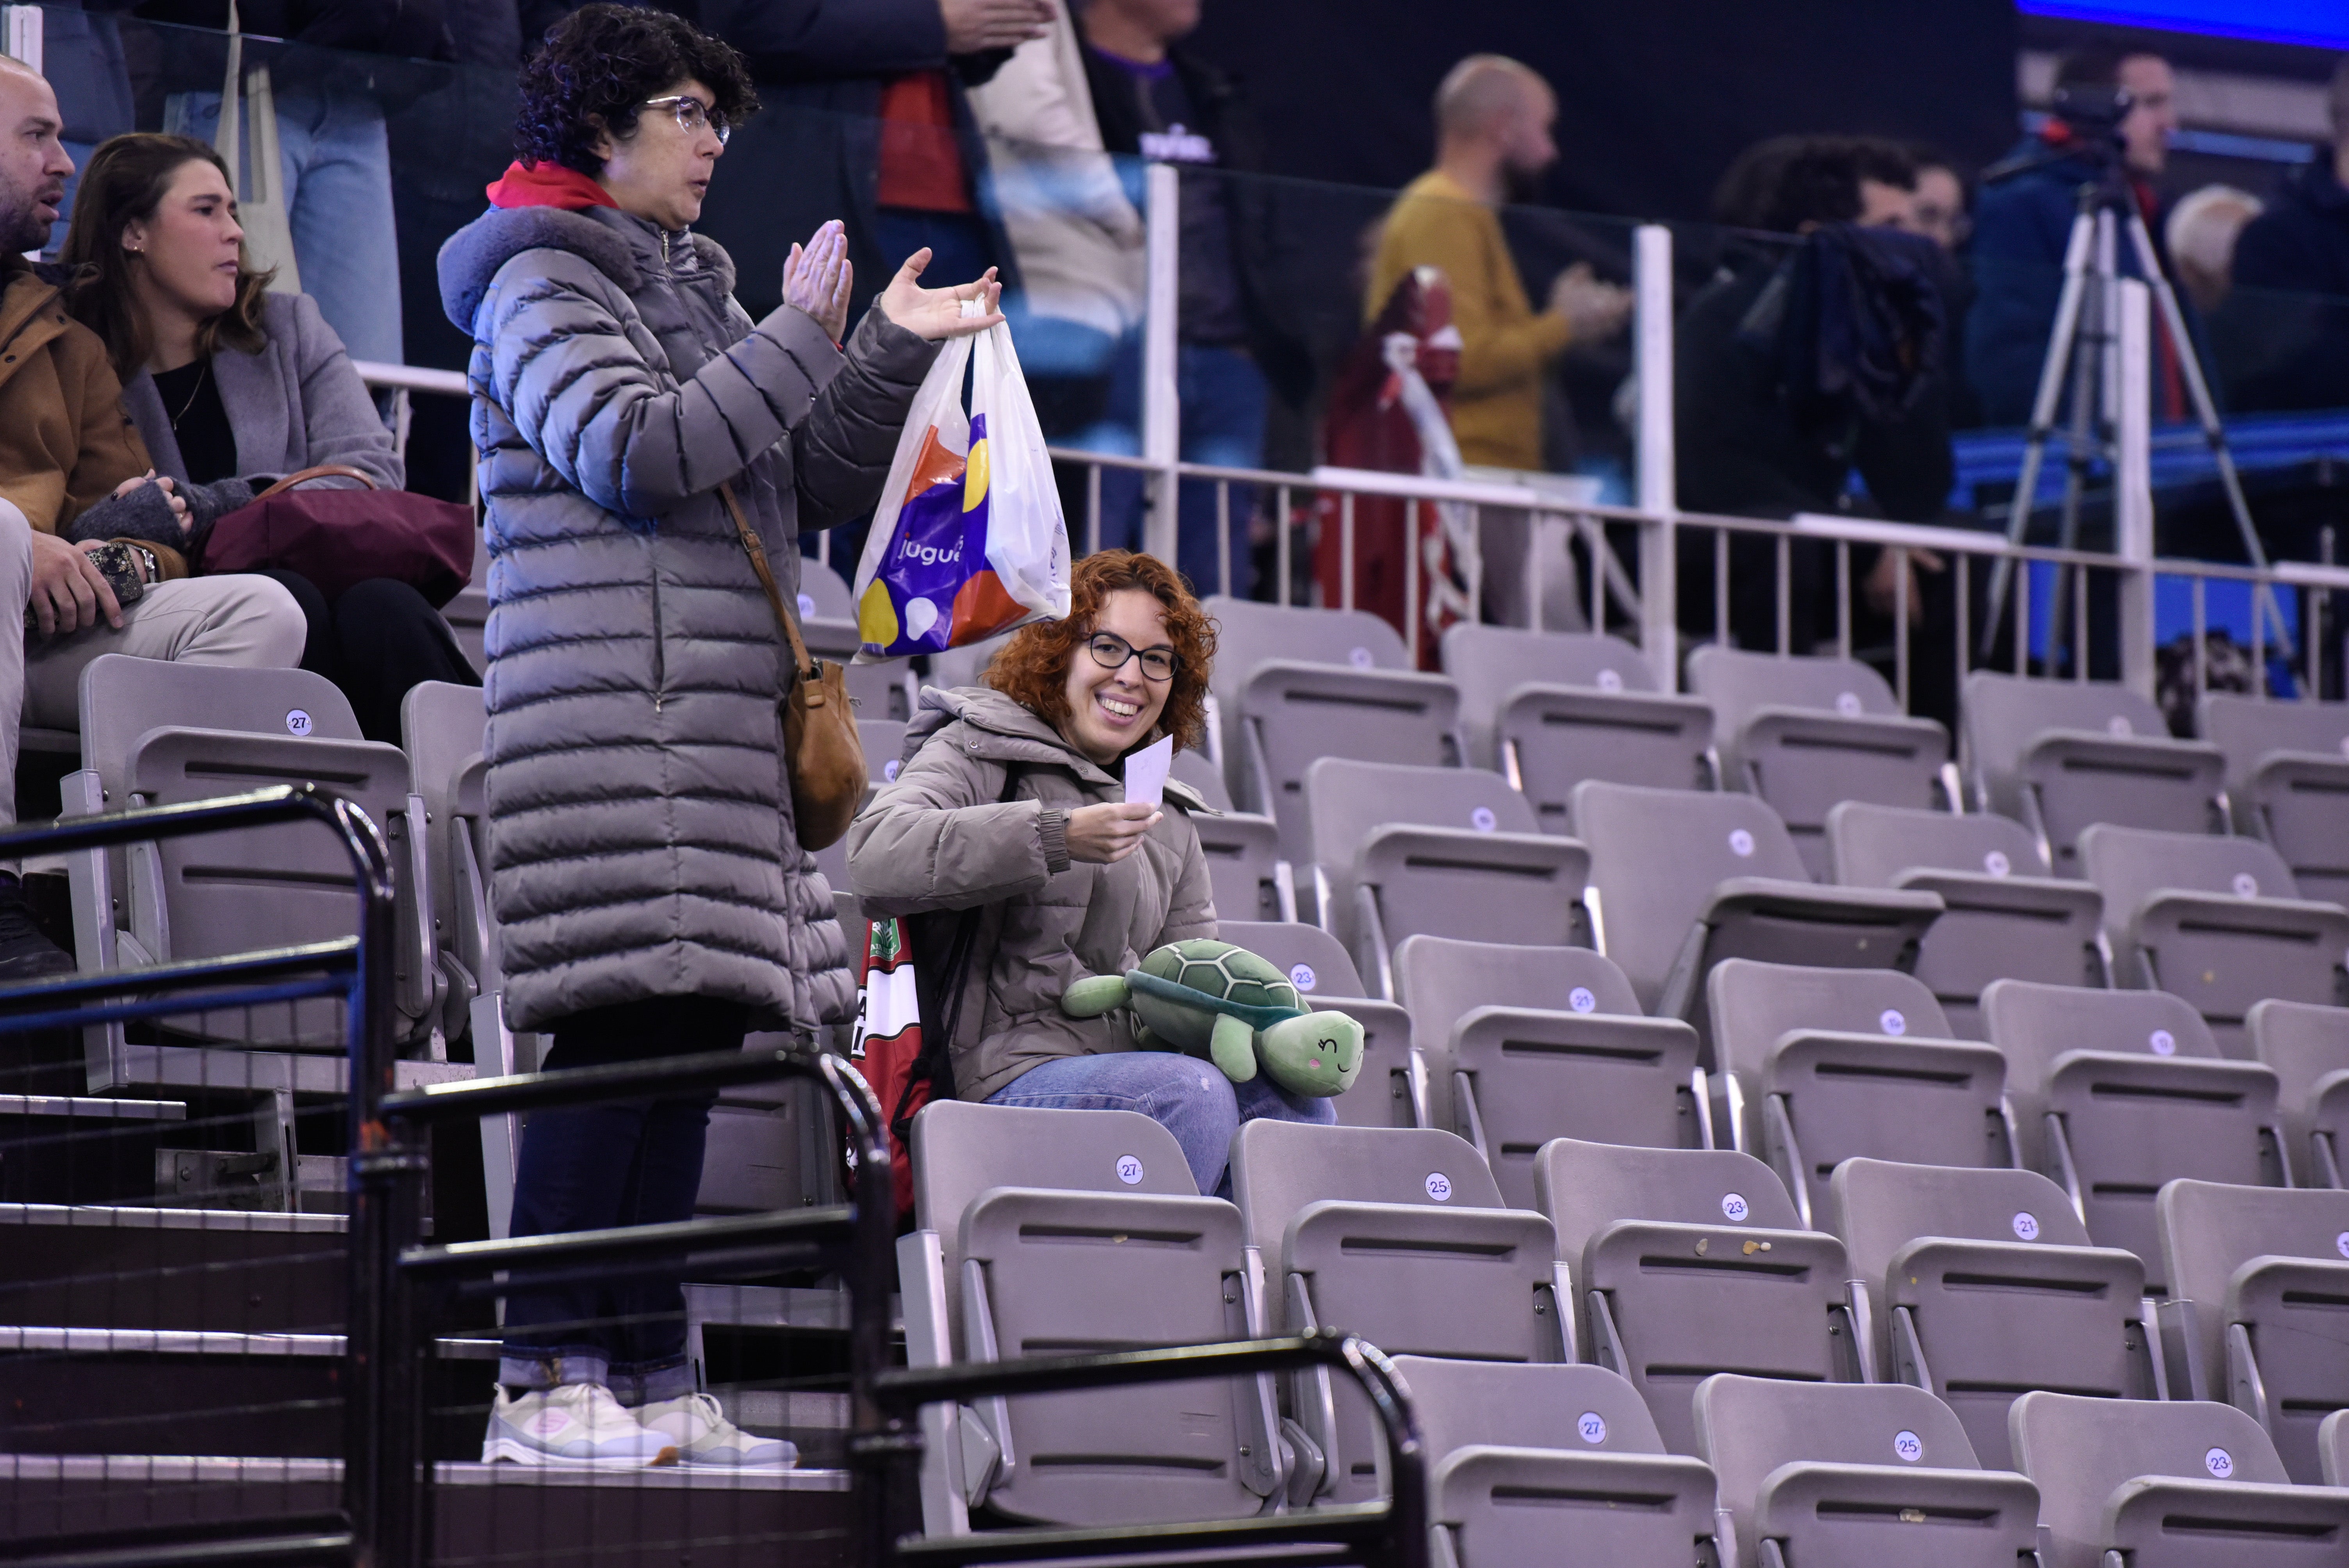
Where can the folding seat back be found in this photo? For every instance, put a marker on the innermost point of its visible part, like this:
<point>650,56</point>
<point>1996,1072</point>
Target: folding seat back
<point>966,665</point>
<point>1294,684</point>
<point>1039,1232</point>
<point>2332,1448</point>
<point>2216,920</point>
<point>884,741</point>
<point>1316,963</point>
<point>2259,1287</point>
<point>1806,733</point>
<point>2004,917</point>
<point>2309,1049</point>
<point>1819,1066</point>
<point>2288,782</point>
<point>1979,1285</point>
<point>441,728</point>
<point>1550,1464</point>
<point>2057,756</point>
<point>158,733</point>
<point>1848,1475</point>
<point>1243,850</point>
<point>1521,1045</point>
<point>1397,1234</point>
<point>1549,709</point>
<point>1688,1261</point>
<point>2115,1092</point>
<point>1450,851</point>
<point>828,626</point>
<point>2180,1483</point>
<point>1680,880</point>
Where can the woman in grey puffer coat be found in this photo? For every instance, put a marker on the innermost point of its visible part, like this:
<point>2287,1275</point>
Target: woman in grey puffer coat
<point>651,896</point>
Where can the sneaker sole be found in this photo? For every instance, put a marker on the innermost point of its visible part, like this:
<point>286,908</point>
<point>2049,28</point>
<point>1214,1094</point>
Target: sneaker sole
<point>513,1450</point>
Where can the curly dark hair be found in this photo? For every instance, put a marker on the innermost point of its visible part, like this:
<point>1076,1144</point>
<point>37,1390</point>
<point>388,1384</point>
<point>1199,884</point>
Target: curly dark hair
<point>596,67</point>
<point>1032,668</point>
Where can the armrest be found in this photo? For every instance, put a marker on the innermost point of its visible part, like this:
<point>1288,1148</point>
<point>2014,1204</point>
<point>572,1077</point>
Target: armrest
<point>2042,898</point>
<point>2105,1273</point>
<point>2087,751</point>
<point>1536,703</point>
<point>1816,729</point>
<point>2138,1513</point>
<point>1944,1063</point>
<point>1803,1499</point>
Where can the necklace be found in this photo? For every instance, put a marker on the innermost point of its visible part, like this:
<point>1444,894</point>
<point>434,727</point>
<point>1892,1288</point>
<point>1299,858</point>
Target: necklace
<point>205,370</point>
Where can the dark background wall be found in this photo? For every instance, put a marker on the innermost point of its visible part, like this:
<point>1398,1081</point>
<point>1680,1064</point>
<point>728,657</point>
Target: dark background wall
<point>1655,96</point>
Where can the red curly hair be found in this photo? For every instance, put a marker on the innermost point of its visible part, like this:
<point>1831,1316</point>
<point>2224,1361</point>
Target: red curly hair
<point>1032,668</point>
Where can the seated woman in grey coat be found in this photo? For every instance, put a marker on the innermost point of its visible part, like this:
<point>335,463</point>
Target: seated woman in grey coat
<point>232,387</point>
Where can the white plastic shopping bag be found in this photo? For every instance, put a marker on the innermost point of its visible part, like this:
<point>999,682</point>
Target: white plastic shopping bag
<point>968,539</point>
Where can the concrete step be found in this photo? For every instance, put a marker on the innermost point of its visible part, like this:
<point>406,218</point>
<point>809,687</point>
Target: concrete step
<point>640,1519</point>
<point>228,1270</point>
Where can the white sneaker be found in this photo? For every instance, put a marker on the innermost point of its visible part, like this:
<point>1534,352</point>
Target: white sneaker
<point>696,1425</point>
<point>576,1423</point>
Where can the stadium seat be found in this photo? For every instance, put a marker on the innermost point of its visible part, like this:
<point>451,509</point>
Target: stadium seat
<point>441,726</point>
<point>2115,1092</point>
<point>2178,1484</point>
<point>828,625</point>
<point>2214,920</point>
<point>1294,684</point>
<point>1397,1234</point>
<point>1549,709</point>
<point>966,665</point>
<point>2004,917</point>
<point>1550,1464</point>
<point>1979,1285</point>
<point>1687,1262</point>
<point>2309,1049</point>
<point>1038,1231</point>
<point>1817,1065</point>
<point>1852,1474</point>
<point>2057,756</point>
<point>1243,849</point>
<point>1680,881</point>
<point>2332,1448</point>
<point>1448,852</point>
<point>1521,1045</point>
<point>1805,733</point>
<point>1324,977</point>
<point>2287,776</point>
<point>2259,1277</point>
<point>884,741</point>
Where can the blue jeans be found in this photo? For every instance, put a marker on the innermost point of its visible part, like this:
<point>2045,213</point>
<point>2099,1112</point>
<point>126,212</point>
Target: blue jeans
<point>594,1167</point>
<point>1187,1097</point>
<point>337,192</point>
<point>1223,399</point>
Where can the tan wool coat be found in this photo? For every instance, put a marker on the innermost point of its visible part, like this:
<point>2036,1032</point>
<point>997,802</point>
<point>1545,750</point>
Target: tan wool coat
<point>64,440</point>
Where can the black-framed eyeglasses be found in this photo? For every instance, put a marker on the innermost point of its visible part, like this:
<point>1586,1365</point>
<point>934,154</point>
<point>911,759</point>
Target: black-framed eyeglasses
<point>692,114</point>
<point>1111,651</point>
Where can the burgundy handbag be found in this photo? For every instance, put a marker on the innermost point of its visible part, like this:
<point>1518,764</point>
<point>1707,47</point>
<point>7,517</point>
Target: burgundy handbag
<point>340,537</point>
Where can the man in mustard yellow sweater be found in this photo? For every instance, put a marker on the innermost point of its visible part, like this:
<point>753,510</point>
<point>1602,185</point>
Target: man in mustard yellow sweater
<point>1492,120</point>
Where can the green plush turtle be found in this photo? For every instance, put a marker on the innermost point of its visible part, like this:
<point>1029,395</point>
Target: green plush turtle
<point>1210,998</point>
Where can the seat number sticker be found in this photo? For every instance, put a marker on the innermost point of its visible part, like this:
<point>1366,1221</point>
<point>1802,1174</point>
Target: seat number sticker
<point>1129,1170</point>
<point>1908,1447</point>
<point>1593,1428</point>
<point>1439,1186</point>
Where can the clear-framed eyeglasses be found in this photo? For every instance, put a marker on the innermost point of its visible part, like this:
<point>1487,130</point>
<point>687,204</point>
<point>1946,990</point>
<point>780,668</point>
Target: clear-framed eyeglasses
<point>693,115</point>
<point>1111,651</point>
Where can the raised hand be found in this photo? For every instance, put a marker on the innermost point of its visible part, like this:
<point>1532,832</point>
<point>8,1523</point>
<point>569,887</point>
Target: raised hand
<point>973,25</point>
<point>937,313</point>
<point>817,277</point>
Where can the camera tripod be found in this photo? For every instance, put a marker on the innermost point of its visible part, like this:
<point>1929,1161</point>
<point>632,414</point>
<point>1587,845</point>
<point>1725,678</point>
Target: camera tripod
<point>2086,340</point>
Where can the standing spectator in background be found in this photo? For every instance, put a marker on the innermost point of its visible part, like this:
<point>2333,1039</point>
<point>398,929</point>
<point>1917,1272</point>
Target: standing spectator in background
<point>2024,218</point>
<point>2289,256</point>
<point>335,154</point>
<point>1942,209</point>
<point>2200,237</point>
<point>1157,102</point>
<point>1493,123</point>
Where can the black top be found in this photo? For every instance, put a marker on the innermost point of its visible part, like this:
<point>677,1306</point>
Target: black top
<point>192,401</point>
<point>1174,131</point>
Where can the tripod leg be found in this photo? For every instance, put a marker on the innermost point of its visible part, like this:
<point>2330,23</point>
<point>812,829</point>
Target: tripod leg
<point>2060,343</point>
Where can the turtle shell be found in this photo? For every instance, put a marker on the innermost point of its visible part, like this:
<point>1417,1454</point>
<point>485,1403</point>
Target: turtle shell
<point>1225,978</point>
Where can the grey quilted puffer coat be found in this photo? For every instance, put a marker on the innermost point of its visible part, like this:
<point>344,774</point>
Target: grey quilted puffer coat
<point>943,838</point>
<point>640,830</point>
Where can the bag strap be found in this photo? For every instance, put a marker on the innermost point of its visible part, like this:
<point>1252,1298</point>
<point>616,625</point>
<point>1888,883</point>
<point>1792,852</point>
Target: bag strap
<point>323,471</point>
<point>758,555</point>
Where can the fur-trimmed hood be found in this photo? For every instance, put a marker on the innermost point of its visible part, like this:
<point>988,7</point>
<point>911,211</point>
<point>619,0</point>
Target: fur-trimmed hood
<point>619,245</point>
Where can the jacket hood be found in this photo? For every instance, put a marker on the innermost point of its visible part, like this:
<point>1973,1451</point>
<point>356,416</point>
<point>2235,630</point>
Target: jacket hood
<point>472,256</point>
<point>547,185</point>
<point>1007,731</point>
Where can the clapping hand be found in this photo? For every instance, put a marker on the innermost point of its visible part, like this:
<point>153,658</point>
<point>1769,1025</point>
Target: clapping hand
<point>817,277</point>
<point>933,313</point>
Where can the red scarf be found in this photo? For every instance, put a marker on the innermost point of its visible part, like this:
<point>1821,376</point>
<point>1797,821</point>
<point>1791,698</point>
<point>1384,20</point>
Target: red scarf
<point>548,185</point>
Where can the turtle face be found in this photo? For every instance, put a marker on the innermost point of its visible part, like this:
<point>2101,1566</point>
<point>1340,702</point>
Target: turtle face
<point>1314,1054</point>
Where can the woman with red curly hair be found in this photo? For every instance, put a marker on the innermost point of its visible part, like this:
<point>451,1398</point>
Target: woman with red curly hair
<point>1010,810</point>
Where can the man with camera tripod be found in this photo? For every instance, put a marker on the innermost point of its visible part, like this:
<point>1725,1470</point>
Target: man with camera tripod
<point>2024,218</point>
